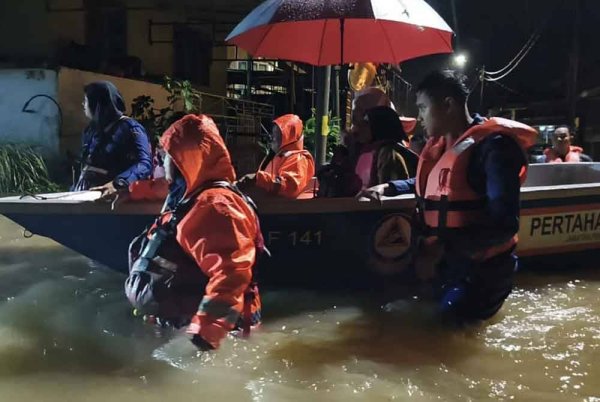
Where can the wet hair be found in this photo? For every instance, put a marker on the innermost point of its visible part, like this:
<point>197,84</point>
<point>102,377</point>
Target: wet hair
<point>439,85</point>
<point>564,126</point>
<point>385,124</point>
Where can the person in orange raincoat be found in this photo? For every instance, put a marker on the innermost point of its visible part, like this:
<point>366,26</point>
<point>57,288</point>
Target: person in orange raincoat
<point>288,169</point>
<point>195,265</point>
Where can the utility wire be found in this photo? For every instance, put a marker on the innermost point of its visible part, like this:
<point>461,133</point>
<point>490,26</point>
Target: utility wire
<point>489,78</point>
<point>523,52</point>
<point>494,76</point>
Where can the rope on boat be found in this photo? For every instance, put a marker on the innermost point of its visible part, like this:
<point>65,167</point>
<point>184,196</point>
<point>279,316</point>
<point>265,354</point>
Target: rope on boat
<point>27,234</point>
<point>34,196</point>
<point>44,198</point>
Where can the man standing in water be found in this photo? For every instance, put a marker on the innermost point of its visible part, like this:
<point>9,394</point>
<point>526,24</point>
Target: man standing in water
<point>468,191</point>
<point>195,265</point>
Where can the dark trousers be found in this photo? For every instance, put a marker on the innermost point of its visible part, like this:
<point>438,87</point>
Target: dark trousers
<point>470,290</point>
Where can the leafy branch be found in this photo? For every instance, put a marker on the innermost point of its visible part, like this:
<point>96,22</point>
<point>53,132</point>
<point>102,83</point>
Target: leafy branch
<point>182,98</point>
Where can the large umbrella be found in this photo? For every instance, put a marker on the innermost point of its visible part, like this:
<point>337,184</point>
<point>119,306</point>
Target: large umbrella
<point>329,32</point>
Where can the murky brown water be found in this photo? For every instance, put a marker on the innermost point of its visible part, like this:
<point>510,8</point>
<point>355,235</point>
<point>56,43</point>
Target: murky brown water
<point>66,334</point>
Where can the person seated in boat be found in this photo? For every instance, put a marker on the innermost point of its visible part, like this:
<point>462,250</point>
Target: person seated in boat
<point>384,154</point>
<point>288,169</point>
<point>468,195</point>
<point>195,265</point>
<point>116,149</point>
<point>562,150</point>
<point>372,153</point>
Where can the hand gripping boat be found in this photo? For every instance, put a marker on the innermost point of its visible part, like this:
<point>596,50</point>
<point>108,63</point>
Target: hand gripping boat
<point>325,243</point>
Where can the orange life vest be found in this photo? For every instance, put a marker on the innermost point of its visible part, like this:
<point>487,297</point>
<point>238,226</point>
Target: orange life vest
<point>574,155</point>
<point>446,200</point>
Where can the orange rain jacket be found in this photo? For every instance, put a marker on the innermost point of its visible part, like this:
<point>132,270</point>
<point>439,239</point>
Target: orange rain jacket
<point>149,190</point>
<point>292,168</point>
<point>220,232</point>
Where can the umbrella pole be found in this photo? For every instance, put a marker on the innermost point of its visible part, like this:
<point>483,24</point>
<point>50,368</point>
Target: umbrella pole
<point>292,88</point>
<point>336,97</point>
<point>249,67</point>
<point>342,29</point>
<point>324,84</point>
<point>322,126</point>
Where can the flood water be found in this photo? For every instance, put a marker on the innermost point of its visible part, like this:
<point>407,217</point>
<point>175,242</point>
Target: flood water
<point>67,334</point>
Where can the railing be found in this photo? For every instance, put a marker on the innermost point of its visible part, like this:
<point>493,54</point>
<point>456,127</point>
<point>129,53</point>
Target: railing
<point>240,122</point>
<point>236,116</point>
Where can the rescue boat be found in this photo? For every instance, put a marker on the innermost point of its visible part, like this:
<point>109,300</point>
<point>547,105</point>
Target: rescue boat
<point>336,242</point>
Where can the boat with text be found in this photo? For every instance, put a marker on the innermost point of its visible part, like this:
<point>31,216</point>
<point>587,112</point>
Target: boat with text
<point>335,242</point>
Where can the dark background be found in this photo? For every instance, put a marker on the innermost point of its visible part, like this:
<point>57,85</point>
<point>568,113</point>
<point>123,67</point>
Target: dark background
<point>491,33</point>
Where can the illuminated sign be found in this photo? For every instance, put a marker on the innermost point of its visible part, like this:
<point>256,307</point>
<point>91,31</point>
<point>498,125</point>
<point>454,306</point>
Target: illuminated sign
<point>557,232</point>
<point>565,224</point>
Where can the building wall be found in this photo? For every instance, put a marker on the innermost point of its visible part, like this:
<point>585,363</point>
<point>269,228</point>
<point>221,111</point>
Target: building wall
<point>66,26</point>
<point>30,32</point>
<point>40,127</point>
<point>158,58</point>
<point>70,90</point>
<point>24,31</point>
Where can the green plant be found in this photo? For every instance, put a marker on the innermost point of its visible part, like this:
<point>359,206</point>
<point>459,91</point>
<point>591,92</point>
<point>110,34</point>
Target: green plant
<point>23,170</point>
<point>333,136</point>
<point>184,92</point>
<point>182,98</point>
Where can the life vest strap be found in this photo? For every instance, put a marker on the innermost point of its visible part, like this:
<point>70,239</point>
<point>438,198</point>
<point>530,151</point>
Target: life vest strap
<point>93,169</point>
<point>445,204</point>
<point>249,297</point>
<point>443,213</point>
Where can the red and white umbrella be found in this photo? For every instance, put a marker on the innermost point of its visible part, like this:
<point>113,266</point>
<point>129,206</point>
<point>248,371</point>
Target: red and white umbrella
<point>329,32</point>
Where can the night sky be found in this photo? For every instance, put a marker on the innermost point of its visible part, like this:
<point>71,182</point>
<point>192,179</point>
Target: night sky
<point>492,33</point>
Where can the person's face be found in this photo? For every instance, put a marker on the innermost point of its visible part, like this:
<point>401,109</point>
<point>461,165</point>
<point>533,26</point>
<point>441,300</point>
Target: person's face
<point>432,115</point>
<point>561,141</point>
<point>170,168</point>
<point>86,108</point>
<point>276,140</point>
